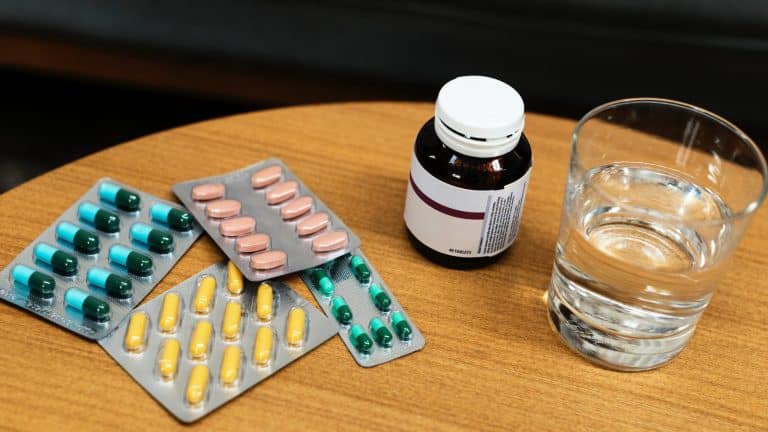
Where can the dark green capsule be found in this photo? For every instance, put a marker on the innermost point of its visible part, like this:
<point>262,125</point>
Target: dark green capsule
<point>360,269</point>
<point>103,220</point>
<point>156,240</point>
<point>60,261</point>
<point>178,220</point>
<point>381,333</point>
<point>119,197</point>
<point>321,281</point>
<point>379,298</point>
<point>341,310</point>
<point>401,326</point>
<point>91,307</point>
<point>360,339</point>
<point>40,284</point>
<point>114,285</point>
<point>82,240</point>
<point>136,263</point>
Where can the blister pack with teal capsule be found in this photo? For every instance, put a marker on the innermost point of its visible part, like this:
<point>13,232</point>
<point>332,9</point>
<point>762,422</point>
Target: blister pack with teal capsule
<point>100,258</point>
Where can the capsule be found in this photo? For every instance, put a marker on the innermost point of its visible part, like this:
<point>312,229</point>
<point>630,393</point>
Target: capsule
<point>401,326</point>
<point>91,307</point>
<point>197,385</point>
<point>82,240</point>
<point>321,281</point>
<point>201,304</point>
<point>360,269</point>
<point>381,333</point>
<point>136,263</point>
<point>230,325</point>
<point>40,284</point>
<point>379,298</point>
<point>341,310</point>
<point>169,313</point>
<point>360,339</point>
<point>156,240</point>
<point>178,220</point>
<point>262,348</point>
<point>200,340</point>
<point>60,261</point>
<point>114,285</point>
<point>234,279</point>
<point>230,365</point>
<point>119,197</point>
<point>168,361</point>
<point>264,300</point>
<point>135,334</point>
<point>103,220</point>
<point>294,331</point>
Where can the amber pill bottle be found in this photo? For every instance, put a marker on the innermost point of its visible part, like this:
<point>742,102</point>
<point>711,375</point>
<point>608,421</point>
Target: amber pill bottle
<point>469,174</point>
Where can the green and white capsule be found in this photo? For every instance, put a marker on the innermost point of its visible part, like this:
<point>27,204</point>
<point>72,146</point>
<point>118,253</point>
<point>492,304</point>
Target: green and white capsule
<point>91,307</point>
<point>39,284</point>
<point>114,285</point>
<point>60,261</point>
<point>178,220</point>
<point>103,220</point>
<point>119,197</point>
<point>156,240</point>
<point>82,240</point>
<point>136,263</point>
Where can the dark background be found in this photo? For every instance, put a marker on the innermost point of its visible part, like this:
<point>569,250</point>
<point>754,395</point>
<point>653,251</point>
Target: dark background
<point>79,75</point>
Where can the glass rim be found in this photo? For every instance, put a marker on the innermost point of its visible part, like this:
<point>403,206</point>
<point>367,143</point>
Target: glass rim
<point>746,210</point>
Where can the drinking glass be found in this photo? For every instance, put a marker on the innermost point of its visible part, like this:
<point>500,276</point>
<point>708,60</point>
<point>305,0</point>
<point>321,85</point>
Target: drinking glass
<point>659,194</point>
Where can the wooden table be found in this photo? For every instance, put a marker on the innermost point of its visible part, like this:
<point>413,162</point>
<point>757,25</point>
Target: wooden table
<point>491,360</point>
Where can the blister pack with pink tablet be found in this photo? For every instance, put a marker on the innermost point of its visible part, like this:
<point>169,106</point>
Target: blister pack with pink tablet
<point>266,220</point>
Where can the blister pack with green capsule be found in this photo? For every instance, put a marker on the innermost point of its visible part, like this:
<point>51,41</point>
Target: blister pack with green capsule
<point>100,258</point>
<point>372,323</point>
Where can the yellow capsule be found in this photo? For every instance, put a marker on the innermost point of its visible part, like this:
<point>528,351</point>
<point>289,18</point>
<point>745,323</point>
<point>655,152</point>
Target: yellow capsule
<point>169,313</point>
<point>262,349</point>
<point>169,359</point>
<point>230,365</point>
<point>204,295</point>
<point>201,338</point>
<point>234,279</point>
<point>264,302</point>
<point>294,333</point>
<point>197,384</point>
<point>230,326</point>
<point>134,335</point>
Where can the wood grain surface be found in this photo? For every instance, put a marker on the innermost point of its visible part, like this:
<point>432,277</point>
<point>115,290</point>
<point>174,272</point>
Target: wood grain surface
<point>491,360</point>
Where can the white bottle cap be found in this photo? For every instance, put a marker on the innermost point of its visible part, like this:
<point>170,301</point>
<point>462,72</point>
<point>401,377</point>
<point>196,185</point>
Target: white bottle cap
<point>479,116</point>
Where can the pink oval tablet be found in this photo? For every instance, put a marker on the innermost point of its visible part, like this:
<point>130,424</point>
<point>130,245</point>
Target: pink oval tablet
<point>330,241</point>
<point>252,243</point>
<point>223,208</point>
<point>312,224</point>
<point>282,192</point>
<point>296,207</point>
<point>266,176</point>
<point>208,191</point>
<point>238,226</point>
<point>268,260</point>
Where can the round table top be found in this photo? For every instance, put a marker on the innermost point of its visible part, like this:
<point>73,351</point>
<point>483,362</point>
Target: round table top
<point>491,360</point>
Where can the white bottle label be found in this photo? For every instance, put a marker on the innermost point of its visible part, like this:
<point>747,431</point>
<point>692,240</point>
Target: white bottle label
<point>463,222</point>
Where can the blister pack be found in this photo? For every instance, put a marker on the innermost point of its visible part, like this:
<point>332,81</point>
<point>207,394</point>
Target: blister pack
<point>99,259</point>
<point>371,322</point>
<point>266,220</point>
<point>210,338</point>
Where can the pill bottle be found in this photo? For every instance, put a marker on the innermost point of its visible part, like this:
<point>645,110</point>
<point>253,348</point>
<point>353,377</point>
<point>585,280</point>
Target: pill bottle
<point>469,173</point>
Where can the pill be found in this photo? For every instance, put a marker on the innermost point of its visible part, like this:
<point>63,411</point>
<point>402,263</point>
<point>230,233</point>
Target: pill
<point>360,339</point>
<point>103,220</point>
<point>321,281</point>
<point>230,324</point>
<point>266,176</point>
<point>341,310</point>
<point>330,241</point>
<point>136,263</point>
<point>136,332</point>
<point>179,220</point>
<point>268,260</point>
<point>379,298</point>
<point>39,284</point>
<point>230,365</point>
<point>223,208</point>
<point>294,331</point>
<point>262,348</point>
<point>208,191</point>
<point>401,326</point>
<point>82,240</point>
<point>296,207</point>
<point>201,304</point>
<point>360,269</point>
<point>264,300</point>
<point>197,385</point>
<point>312,224</point>
<point>156,240</point>
<point>282,192</point>
<point>60,261</point>
<point>114,285</point>
<point>238,226</point>
<point>381,333</point>
<point>200,340</point>
<point>168,361</point>
<point>234,279</point>
<point>121,198</point>
<point>91,307</point>
<point>169,313</point>
<point>252,243</point>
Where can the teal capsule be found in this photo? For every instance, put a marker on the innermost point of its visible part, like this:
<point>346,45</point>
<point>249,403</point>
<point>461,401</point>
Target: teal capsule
<point>360,339</point>
<point>136,263</point>
<point>321,281</point>
<point>119,197</point>
<point>60,261</point>
<point>401,326</point>
<point>341,310</point>
<point>380,298</point>
<point>103,220</point>
<point>82,240</point>
<point>91,307</point>
<point>360,269</point>
<point>156,240</point>
<point>178,220</point>
<point>39,284</point>
<point>114,285</point>
<point>381,333</point>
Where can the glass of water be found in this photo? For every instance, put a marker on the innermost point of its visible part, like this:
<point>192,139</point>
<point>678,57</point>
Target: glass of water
<point>659,194</point>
